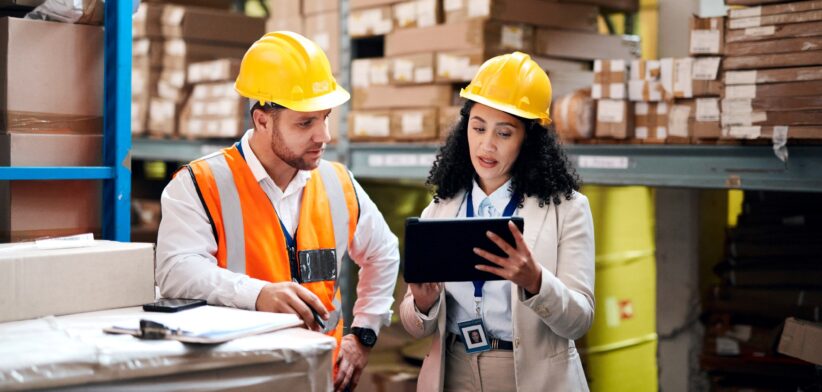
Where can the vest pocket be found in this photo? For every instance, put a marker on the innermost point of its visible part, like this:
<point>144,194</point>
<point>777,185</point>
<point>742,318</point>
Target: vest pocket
<point>317,265</point>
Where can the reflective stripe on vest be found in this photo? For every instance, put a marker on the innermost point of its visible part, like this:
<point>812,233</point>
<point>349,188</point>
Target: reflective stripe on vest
<point>249,237</point>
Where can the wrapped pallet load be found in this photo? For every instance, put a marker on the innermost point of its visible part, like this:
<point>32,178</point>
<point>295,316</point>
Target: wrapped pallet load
<point>574,115</point>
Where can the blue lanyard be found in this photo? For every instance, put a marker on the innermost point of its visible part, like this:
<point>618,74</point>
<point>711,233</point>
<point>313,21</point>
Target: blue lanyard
<point>469,212</point>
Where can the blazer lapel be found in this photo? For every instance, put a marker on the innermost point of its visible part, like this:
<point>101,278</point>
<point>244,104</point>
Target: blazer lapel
<point>534,220</point>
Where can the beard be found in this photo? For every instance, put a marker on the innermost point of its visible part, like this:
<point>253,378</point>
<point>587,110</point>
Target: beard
<point>293,159</point>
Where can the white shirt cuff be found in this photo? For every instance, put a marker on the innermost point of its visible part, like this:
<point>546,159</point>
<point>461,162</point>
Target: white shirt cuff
<point>248,292</point>
<point>371,321</point>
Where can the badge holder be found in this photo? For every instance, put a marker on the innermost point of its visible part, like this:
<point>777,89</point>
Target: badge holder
<point>474,337</point>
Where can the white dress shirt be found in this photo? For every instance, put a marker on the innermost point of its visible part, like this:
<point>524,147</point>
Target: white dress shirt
<point>495,307</point>
<point>187,268</point>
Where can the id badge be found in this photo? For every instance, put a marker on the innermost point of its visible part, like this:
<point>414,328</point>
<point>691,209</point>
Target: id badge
<point>473,336</point>
<point>317,265</point>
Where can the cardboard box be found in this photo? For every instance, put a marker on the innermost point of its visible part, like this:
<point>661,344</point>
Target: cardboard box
<point>385,97</point>
<point>808,29</point>
<point>651,120</point>
<point>609,79</point>
<point>550,64</point>
<point>767,132</point>
<point>213,71</point>
<point>417,13</point>
<point>778,19</point>
<point>370,72</point>
<point>35,209</point>
<point>214,110</point>
<point>280,23</point>
<point>707,118</point>
<point>774,9</point>
<point>179,54</point>
<point>646,91</point>
<point>147,21</point>
<point>614,119</point>
<point>690,77</point>
<point>707,36</point>
<point>412,69</point>
<point>802,339</point>
<point>448,116</point>
<point>195,23</point>
<point>324,30</point>
<point>784,45</point>
<point>763,76</point>
<point>358,4</point>
<point>585,46</point>
<point>108,275</point>
<point>370,22</point>
<point>788,117</point>
<point>796,89</point>
<point>311,7</point>
<point>285,8</point>
<point>458,66</point>
<point>681,118</point>
<point>542,13</point>
<point>369,125</point>
<point>163,115</point>
<point>59,86</point>
<point>148,51</point>
<point>566,82</point>
<point>611,5</point>
<point>771,104</point>
<point>414,124</point>
<point>493,37</point>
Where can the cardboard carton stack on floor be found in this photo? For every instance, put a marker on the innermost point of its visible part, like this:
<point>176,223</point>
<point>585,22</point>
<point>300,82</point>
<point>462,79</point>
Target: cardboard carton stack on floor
<point>773,72</point>
<point>186,35</point>
<point>51,114</point>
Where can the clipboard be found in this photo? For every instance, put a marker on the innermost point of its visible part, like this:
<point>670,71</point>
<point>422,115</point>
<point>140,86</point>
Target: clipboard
<point>205,325</point>
<point>441,250</point>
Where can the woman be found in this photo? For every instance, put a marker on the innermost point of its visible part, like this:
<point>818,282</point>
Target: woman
<point>499,160</point>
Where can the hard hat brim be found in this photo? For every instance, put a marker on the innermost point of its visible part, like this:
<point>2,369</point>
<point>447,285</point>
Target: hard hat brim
<point>510,109</point>
<point>324,102</point>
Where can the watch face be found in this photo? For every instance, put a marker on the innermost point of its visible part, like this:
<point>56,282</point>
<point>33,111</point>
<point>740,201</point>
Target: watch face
<point>367,337</point>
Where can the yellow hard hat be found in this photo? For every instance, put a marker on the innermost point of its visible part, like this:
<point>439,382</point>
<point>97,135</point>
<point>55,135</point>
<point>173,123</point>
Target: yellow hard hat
<point>512,83</point>
<point>290,70</point>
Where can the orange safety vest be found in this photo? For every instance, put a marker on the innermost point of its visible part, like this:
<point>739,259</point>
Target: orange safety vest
<point>250,239</point>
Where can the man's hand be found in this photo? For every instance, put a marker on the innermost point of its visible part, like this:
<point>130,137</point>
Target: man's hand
<point>351,361</point>
<point>290,297</point>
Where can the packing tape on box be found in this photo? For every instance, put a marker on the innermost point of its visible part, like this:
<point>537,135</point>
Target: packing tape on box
<point>745,12</point>
<point>740,77</point>
<point>479,8</point>
<point>707,109</point>
<point>34,122</point>
<point>743,132</point>
<point>741,91</point>
<point>645,69</point>
<point>705,41</point>
<point>760,31</point>
<point>705,68</point>
<point>743,119</point>
<point>742,23</point>
<point>411,123</point>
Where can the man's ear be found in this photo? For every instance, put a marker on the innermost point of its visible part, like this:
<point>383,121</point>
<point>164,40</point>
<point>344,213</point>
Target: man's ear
<point>260,119</point>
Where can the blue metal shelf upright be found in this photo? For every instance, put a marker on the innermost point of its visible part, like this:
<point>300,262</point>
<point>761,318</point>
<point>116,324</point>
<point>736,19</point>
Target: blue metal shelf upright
<point>116,174</point>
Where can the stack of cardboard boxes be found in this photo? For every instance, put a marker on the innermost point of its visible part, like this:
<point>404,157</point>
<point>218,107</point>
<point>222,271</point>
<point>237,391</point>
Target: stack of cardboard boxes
<point>51,114</point>
<point>409,90</point>
<point>214,109</point>
<point>773,72</point>
<point>169,39</point>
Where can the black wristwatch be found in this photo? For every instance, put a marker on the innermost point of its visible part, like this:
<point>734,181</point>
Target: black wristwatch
<point>366,336</point>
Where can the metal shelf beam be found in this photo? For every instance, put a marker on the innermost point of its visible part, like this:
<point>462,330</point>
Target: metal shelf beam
<point>189,150</point>
<point>56,173</point>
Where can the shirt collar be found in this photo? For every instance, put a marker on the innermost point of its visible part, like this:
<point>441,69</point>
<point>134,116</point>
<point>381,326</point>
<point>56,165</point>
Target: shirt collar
<point>499,198</point>
<point>258,170</point>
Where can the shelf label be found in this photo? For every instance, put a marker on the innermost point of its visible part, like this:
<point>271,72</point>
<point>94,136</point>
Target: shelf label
<point>602,162</point>
<point>401,160</point>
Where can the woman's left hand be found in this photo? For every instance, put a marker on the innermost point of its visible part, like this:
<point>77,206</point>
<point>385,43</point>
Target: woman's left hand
<point>519,267</point>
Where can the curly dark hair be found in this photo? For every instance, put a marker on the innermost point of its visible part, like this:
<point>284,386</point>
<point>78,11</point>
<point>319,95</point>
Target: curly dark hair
<point>542,169</point>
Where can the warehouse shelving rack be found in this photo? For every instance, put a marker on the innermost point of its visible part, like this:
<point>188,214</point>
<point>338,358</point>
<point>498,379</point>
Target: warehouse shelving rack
<point>116,172</point>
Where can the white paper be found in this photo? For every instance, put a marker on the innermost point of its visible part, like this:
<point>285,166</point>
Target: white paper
<point>745,132</point>
<point>641,132</point>
<point>405,14</point>
<point>706,68</point>
<point>707,109</point>
<point>641,109</point>
<point>610,111</point>
<point>740,77</point>
<point>760,31</point>
<point>173,15</point>
<point>740,91</point>
<point>745,12</point>
<point>360,73</point>
<point>727,346</point>
<point>371,125</point>
<point>512,37</point>
<point>603,162</point>
<point>617,91</point>
<point>426,13</point>
<point>745,23</point>
<point>424,75</point>
<point>379,73</point>
<point>403,70</point>
<point>411,123</point>
<point>780,149</point>
<point>477,8</point>
<point>683,82</point>
<point>737,106</point>
<point>743,119</point>
<point>705,41</point>
<point>678,120</point>
<point>452,5</point>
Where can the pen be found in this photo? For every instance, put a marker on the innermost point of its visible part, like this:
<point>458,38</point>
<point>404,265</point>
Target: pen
<point>317,318</point>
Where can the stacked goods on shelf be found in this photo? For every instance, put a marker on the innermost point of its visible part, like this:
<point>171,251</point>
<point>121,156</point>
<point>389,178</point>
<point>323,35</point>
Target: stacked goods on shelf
<point>614,114</point>
<point>706,45</point>
<point>214,109</point>
<point>146,63</point>
<point>771,272</point>
<point>773,72</point>
<point>574,116</point>
<point>186,35</point>
<point>51,114</point>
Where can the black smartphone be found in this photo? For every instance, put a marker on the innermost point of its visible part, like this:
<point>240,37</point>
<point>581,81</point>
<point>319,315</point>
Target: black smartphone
<point>171,305</point>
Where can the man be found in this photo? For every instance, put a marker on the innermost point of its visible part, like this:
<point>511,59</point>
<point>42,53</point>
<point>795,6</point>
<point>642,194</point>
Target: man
<point>264,224</point>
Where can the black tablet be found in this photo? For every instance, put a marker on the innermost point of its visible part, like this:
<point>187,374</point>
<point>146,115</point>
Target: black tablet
<point>441,250</point>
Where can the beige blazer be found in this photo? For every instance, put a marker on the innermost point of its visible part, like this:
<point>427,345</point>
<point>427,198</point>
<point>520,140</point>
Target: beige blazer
<point>561,238</point>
